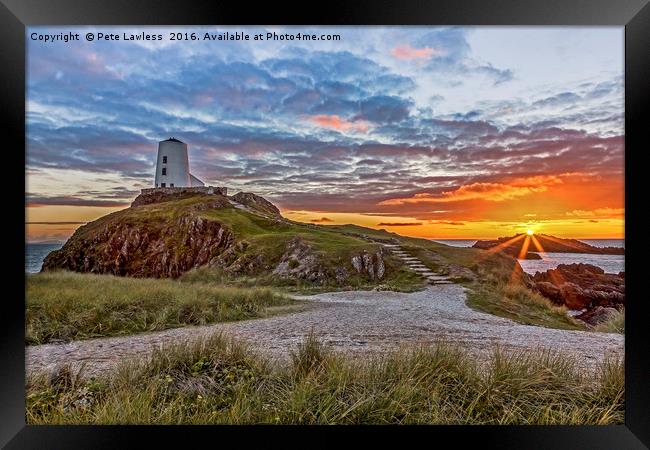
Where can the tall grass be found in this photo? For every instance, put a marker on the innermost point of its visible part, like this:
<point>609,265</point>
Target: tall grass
<point>68,306</point>
<point>503,289</point>
<point>614,324</point>
<point>218,380</point>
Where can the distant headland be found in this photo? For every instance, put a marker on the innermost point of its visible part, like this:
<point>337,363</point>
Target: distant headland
<point>524,246</point>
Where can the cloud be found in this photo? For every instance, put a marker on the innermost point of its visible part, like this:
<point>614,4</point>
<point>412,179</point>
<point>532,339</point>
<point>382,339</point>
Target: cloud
<point>55,223</point>
<point>322,219</point>
<point>36,201</point>
<point>446,222</point>
<point>563,98</point>
<point>457,58</point>
<point>399,224</point>
<point>409,53</point>
<point>494,192</point>
<point>336,123</point>
<point>598,212</point>
<point>384,109</point>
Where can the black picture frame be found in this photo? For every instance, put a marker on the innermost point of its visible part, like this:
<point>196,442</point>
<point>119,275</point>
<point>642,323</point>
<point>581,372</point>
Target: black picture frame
<point>15,15</point>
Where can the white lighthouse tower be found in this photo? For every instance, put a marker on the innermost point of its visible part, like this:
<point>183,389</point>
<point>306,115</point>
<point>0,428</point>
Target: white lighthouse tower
<point>173,167</point>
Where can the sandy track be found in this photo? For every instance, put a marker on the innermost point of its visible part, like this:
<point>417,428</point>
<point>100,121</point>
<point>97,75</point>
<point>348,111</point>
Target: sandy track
<point>351,322</point>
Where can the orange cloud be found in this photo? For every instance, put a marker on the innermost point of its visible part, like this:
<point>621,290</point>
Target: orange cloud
<point>337,123</point>
<point>446,222</point>
<point>409,53</point>
<point>495,192</point>
<point>399,224</point>
<point>322,219</point>
<point>598,212</point>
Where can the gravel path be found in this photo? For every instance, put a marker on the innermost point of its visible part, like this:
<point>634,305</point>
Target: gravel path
<point>353,321</point>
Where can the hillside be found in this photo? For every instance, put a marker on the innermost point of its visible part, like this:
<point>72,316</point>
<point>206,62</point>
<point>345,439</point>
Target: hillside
<point>165,236</point>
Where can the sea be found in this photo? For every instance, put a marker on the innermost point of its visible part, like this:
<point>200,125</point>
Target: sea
<point>36,252</point>
<point>609,263</point>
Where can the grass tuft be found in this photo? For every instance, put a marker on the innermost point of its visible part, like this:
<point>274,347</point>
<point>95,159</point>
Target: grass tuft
<point>615,324</point>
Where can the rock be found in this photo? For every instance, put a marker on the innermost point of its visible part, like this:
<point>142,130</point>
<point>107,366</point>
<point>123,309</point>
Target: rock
<point>160,195</point>
<point>357,263</point>
<point>597,315</point>
<point>341,274</point>
<point>368,265</point>
<point>299,261</point>
<point>372,266</point>
<point>257,203</point>
<point>381,267</point>
<point>573,296</point>
<point>579,286</point>
<point>550,291</point>
<point>142,250</point>
<point>531,255</point>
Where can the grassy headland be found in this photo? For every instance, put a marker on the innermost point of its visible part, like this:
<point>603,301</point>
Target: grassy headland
<point>69,306</point>
<point>219,381</point>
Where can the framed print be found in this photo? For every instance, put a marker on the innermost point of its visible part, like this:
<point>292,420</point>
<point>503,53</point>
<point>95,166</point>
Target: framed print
<point>400,217</point>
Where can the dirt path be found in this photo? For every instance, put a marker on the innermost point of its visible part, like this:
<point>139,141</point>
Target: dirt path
<point>351,322</point>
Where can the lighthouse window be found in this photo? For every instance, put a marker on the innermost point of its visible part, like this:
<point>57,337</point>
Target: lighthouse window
<point>164,171</point>
<point>164,160</point>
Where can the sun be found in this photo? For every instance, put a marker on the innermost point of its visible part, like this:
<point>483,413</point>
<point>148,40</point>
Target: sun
<point>530,232</point>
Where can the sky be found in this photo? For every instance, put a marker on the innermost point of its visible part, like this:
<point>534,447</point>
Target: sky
<point>437,132</point>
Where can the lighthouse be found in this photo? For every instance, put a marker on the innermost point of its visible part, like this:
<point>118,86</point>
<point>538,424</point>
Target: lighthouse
<point>173,166</point>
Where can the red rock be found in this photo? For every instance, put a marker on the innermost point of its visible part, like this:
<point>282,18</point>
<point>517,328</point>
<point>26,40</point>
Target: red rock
<point>579,286</point>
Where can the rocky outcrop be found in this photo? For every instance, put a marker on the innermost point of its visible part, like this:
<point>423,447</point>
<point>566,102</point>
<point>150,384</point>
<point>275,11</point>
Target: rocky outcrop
<point>160,195</point>
<point>581,286</point>
<point>369,264</point>
<point>512,245</point>
<point>300,261</point>
<point>257,203</point>
<point>146,249</point>
<point>530,255</point>
<point>597,315</point>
